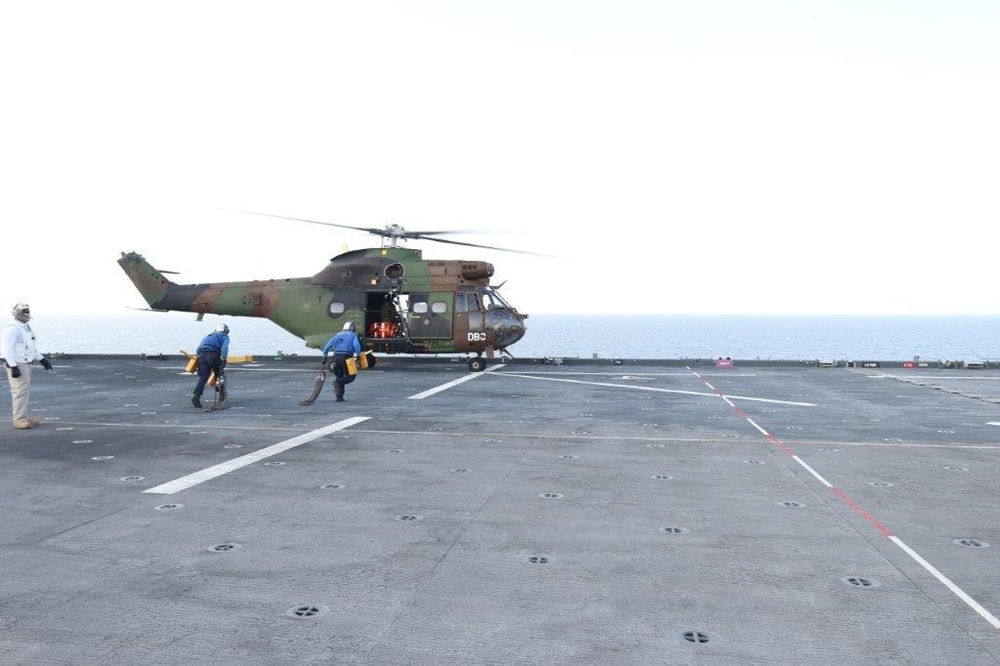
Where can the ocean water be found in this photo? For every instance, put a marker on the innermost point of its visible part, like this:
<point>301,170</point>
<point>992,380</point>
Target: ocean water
<point>930,338</point>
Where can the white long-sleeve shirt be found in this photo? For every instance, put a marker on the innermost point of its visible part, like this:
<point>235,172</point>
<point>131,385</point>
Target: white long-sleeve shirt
<point>17,344</point>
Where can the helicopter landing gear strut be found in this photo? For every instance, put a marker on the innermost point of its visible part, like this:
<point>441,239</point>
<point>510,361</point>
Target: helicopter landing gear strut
<point>477,364</point>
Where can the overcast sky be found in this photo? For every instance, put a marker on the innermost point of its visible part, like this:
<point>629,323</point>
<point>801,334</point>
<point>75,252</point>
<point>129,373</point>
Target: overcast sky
<point>671,157</point>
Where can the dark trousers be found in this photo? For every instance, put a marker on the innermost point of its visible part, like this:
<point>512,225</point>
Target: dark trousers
<point>207,362</point>
<point>340,369</point>
<point>340,372</point>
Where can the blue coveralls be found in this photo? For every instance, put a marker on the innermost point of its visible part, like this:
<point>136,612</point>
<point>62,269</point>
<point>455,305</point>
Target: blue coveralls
<point>343,345</point>
<point>212,353</point>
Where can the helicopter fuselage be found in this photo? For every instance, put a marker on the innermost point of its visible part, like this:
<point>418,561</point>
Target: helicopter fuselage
<point>400,302</point>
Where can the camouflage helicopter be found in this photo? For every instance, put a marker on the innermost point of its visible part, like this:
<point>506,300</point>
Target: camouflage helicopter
<point>400,302</point>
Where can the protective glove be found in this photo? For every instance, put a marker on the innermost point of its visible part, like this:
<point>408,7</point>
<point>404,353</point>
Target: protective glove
<point>46,363</point>
<point>15,371</point>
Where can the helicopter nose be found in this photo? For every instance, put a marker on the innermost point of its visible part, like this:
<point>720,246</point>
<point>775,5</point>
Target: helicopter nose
<point>510,330</point>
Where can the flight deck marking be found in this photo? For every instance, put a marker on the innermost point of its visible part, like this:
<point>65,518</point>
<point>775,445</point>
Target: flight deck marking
<point>857,508</point>
<point>236,463</point>
<point>660,390</point>
<point>455,382</point>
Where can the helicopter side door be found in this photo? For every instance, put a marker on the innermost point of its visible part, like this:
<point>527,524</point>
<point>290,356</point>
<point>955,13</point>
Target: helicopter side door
<point>469,321</point>
<point>430,315</point>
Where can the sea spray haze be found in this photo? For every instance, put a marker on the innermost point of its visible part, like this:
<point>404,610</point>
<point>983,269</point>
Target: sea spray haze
<point>608,336</point>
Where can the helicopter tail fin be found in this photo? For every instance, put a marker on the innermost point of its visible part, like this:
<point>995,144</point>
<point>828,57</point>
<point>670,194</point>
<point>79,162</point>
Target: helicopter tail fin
<point>151,283</point>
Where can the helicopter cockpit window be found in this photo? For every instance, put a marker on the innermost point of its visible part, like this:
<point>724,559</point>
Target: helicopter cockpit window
<point>337,308</point>
<point>493,300</point>
<point>420,307</point>
<point>439,307</point>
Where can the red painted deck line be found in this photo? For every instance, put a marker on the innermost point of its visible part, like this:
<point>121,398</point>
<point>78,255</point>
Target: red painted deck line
<point>857,508</point>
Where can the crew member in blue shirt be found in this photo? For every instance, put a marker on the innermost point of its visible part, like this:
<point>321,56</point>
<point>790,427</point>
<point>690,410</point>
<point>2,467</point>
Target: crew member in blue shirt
<point>344,345</point>
<point>212,353</point>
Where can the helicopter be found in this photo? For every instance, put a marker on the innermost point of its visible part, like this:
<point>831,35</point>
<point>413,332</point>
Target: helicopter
<point>400,302</point>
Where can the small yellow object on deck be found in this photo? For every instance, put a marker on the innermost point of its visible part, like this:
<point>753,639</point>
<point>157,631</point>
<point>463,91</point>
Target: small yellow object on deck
<point>192,362</point>
<point>242,358</point>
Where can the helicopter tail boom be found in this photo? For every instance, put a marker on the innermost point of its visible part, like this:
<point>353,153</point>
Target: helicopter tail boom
<point>241,299</point>
<point>151,283</point>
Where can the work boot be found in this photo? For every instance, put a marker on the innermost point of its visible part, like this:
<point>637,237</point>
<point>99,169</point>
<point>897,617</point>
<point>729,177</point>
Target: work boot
<point>196,400</point>
<point>338,390</point>
<point>22,424</point>
<point>33,422</point>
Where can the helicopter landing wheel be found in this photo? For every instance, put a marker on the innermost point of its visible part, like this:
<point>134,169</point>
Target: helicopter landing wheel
<point>477,364</point>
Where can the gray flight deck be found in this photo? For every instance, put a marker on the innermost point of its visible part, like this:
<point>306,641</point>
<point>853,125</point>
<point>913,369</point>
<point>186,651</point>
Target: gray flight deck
<point>584,513</point>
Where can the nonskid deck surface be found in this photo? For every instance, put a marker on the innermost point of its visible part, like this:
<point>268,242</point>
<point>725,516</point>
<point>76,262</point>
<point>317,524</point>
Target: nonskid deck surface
<point>529,514</point>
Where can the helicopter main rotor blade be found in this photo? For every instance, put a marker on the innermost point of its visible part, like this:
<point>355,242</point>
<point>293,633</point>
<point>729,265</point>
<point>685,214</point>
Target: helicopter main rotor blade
<point>394,231</point>
<point>371,230</point>
<point>390,230</point>
<point>487,247</point>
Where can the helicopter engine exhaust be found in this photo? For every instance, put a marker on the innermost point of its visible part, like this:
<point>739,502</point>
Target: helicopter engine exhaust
<point>477,270</point>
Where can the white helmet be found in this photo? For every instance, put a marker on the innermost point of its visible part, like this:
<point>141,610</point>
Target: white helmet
<point>21,309</point>
<point>222,328</point>
<point>349,326</point>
